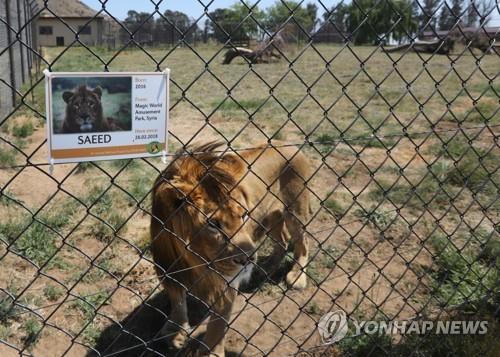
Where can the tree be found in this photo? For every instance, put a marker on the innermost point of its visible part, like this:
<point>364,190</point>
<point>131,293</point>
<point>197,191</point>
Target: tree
<point>174,25</point>
<point>472,14</point>
<point>312,11</point>
<point>427,16</point>
<point>141,25</point>
<point>485,8</point>
<point>337,16</point>
<point>450,15</point>
<point>238,21</point>
<point>294,12</point>
<point>370,21</point>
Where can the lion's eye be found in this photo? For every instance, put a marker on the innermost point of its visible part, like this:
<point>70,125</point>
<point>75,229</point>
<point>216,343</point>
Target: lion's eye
<point>214,224</point>
<point>245,216</point>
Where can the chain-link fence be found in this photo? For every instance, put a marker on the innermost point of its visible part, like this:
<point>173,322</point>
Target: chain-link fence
<point>356,177</point>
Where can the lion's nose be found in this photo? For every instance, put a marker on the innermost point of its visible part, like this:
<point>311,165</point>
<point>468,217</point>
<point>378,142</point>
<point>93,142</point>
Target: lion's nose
<point>245,253</point>
<point>243,259</point>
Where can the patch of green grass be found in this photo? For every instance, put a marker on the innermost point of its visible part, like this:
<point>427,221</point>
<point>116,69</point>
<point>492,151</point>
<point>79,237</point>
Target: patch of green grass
<point>140,185</point>
<point>453,148</point>
<point>7,308</point>
<point>377,217</point>
<point>105,206</point>
<point>374,142</point>
<point>59,218</point>
<point>365,345</point>
<point>88,304</point>
<point>279,135</point>
<point>326,139</point>
<point>483,112</point>
<point>24,130</point>
<point>424,192</point>
<point>470,166</point>
<point>335,207</point>
<point>37,243</point>
<point>95,274</point>
<point>52,292</point>
<point>478,171</point>
<point>84,167</point>
<point>12,227</point>
<point>315,272</point>
<point>30,299</point>
<point>328,257</point>
<point>7,155</point>
<point>233,105</point>
<point>8,198</point>
<point>31,328</point>
<point>100,230</point>
<point>460,275</point>
<point>91,333</point>
<point>326,142</point>
<point>5,331</point>
<point>130,163</point>
<point>490,90</point>
<point>313,308</point>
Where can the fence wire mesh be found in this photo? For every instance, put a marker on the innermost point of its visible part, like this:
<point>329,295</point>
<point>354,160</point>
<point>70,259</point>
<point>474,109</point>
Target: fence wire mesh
<point>380,119</point>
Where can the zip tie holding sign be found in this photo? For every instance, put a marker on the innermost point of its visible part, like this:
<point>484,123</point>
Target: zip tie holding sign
<point>51,166</point>
<point>164,157</point>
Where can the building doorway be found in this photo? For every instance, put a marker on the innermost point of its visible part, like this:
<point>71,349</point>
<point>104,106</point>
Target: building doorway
<point>59,41</point>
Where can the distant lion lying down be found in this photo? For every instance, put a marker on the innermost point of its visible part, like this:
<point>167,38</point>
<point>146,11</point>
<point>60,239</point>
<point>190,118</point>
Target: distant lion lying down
<point>209,213</point>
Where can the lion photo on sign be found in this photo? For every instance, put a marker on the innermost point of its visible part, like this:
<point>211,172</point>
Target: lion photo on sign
<point>84,112</point>
<point>211,209</point>
<point>91,104</point>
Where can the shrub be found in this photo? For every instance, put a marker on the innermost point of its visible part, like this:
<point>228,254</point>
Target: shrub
<point>23,130</point>
<point>7,155</point>
<point>32,328</point>
<point>335,207</point>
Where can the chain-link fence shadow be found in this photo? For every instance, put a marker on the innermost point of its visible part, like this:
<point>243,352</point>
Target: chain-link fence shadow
<point>322,159</point>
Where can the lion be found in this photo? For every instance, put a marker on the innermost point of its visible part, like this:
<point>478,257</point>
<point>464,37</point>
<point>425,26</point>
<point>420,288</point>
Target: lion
<point>209,213</point>
<point>84,112</point>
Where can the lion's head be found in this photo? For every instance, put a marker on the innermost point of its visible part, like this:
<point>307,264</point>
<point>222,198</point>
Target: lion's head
<point>200,216</point>
<point>84,111</point>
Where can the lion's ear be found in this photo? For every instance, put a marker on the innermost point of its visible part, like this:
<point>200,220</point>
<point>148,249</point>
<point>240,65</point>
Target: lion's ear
<point>173,193</point>
<point>98,90</point>
<point>67,96</point>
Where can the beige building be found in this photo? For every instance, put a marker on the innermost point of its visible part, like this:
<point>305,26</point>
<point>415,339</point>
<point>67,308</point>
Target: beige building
<point>61,22</point>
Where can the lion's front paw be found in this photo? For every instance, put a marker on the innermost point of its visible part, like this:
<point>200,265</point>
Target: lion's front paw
<point>198,351</point>
<point>175,337</point>
<point>178,340</point>
<point>296,279</point>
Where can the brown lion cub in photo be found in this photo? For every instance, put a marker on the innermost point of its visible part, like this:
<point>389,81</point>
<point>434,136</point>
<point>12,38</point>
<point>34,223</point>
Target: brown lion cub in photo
<point>84,112</point>
<point>210,211</point>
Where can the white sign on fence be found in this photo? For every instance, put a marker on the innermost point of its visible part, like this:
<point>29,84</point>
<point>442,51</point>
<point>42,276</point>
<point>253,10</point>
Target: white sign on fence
<point>106,115</point>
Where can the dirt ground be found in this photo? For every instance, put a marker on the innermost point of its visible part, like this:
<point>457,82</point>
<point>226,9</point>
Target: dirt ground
<point>94,287</point>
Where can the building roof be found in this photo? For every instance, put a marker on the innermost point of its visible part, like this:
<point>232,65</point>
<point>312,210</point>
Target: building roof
<point>66,9</point>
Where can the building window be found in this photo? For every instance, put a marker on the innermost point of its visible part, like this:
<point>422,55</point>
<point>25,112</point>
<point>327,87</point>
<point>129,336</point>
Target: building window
<point>45,30</point>
<point>87,30</point>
